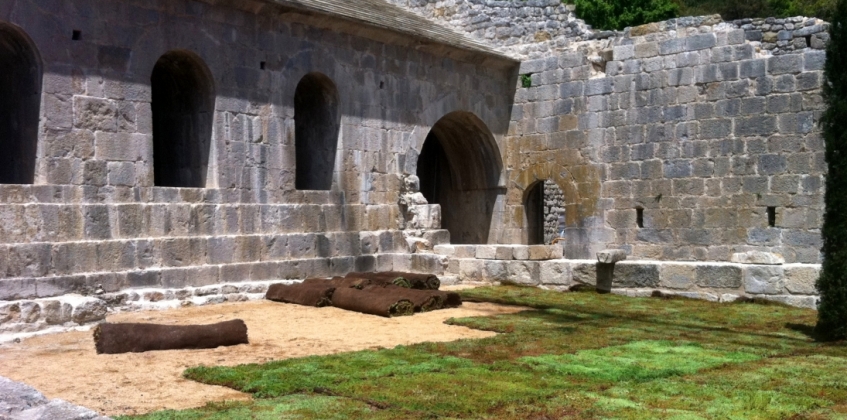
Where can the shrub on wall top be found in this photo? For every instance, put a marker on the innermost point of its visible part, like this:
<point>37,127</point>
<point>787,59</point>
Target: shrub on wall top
<point>618,14</point>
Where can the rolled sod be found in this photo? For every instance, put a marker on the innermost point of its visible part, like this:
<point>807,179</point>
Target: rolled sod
<point>422,300</point>
<point>136,338</point>
<point>373,302</point>
<point>350,282</point>
<point>307,294</point>
<point>414,280</point>
<point>450,299</point>
<point>382,278</point>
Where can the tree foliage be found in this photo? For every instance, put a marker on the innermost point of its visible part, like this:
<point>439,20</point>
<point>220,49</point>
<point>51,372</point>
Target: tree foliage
<point>734,9</point>
<point>832,284</point>
<point>618,14</point>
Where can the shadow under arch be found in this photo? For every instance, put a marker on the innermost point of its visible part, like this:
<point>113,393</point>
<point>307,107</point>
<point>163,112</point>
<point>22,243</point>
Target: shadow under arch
<point>317,122</point>
<point>183,106</point>
<point>459,168</point>
<point>20,105</point>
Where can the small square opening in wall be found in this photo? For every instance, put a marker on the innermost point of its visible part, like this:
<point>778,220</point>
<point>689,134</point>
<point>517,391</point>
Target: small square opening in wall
<point>263,65</point>
<point>639,217</point>
<point>76,35</point>
<point>771,216</point>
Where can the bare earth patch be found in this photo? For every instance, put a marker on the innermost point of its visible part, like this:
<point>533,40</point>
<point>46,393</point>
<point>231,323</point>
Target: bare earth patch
<point>66,366</point>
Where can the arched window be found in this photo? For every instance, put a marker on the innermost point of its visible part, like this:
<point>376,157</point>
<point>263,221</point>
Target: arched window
<point>459,167</point>
<point>20,105</point>
<point>183,109</point>
<point>316,125</point>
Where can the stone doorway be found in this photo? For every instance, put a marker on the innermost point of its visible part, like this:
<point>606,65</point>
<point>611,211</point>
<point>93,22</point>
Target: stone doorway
<point>20,105</point>
<point>459,168</point>
<point>316,126</point>
<point>183,110</point>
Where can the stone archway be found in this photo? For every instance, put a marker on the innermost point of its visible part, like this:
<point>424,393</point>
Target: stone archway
<point>459,168</point>
<point>317,122</point>
<point>183,108</point>
<point>20,105</point>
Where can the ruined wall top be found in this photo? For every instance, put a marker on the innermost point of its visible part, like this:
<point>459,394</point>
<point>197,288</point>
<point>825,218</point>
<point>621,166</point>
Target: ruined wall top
<point>530,29</point>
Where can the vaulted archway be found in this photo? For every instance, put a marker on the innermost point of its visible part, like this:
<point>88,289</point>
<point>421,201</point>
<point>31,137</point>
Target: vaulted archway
<point>459,168</point>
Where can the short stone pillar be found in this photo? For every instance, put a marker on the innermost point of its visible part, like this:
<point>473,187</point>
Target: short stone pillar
<point>606,260</point>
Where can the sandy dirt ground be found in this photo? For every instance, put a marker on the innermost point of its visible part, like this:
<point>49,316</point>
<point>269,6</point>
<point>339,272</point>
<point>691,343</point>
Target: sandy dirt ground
<point>66,365</point>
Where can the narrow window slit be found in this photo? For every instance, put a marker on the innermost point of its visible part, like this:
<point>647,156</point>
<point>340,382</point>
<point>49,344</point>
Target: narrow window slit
<point>639,217</point>
<point>263,65</point>
<point>76,35</point>
<point>772,216</point>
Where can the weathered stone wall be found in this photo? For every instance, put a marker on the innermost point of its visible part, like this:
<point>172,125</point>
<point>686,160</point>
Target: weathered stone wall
<point>528,29</point>
<point>698,126</point>
<point>554,205</point>
<point>94,220</point>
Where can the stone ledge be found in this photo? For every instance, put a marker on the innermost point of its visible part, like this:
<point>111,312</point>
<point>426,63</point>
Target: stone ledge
<point>790,283</point>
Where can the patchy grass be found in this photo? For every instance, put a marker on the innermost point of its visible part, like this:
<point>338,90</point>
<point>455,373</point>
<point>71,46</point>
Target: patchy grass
<point>576,355</point>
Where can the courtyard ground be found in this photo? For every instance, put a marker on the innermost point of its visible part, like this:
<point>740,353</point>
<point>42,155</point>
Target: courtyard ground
<point>66,365</point>
<point>574,355</point>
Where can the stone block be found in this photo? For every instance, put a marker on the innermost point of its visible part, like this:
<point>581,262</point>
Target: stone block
<point>700,42</point>
<point>787,63</point>
<point>555,272</point>
<point>611,256</point>
<point>763,279</point>
<point>56,312</point>
<point>632,274</point>
<point>539,252</point>
<point>520,252</point>
<point>677,276</point>
<point>465,251</point>
<point>495,271</point>
<point>800,279</point>
<point>89,310</point>
<point>16,289</point>
<point>472,270</point>
<point>584,271</point>
<point>757,257</point>
<point>719,276</point>
<point>524,272</point>
<point>446,250</point>
<point>504,252</point>
<point>486,252</point>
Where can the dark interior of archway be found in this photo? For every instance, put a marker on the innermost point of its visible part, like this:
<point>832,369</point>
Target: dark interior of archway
<point>316,125</point>
<point>534,209</point>
<point>459,168</point>
<point>20,103</point>
<point>183,107</point>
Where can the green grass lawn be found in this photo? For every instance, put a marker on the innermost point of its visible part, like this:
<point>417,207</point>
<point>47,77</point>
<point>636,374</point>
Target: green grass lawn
<point>575,355</point>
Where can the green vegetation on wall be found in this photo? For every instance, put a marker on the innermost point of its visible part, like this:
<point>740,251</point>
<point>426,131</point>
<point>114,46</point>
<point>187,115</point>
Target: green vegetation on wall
<point>733,9</point>
<point>618,14</point>
<point>832,284</point>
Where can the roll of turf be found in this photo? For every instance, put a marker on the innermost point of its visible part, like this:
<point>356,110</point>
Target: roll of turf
<point>136,338</point>
<point>451,299</point>
<point>307,294</point>
<point>382,278</point>
<point>422,300</point>
<point>374,302</point>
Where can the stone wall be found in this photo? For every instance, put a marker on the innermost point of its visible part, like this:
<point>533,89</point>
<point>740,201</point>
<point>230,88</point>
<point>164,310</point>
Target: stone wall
<point>527,29</point>
<point>703,129</point>
<point>94,218</point>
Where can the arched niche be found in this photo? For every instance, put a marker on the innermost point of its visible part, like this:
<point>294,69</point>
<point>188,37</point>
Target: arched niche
<point>317,122</point>
<point>544,212</point>
<point>183,106</point>
<point>459,168</point>
<point>20,105</point>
